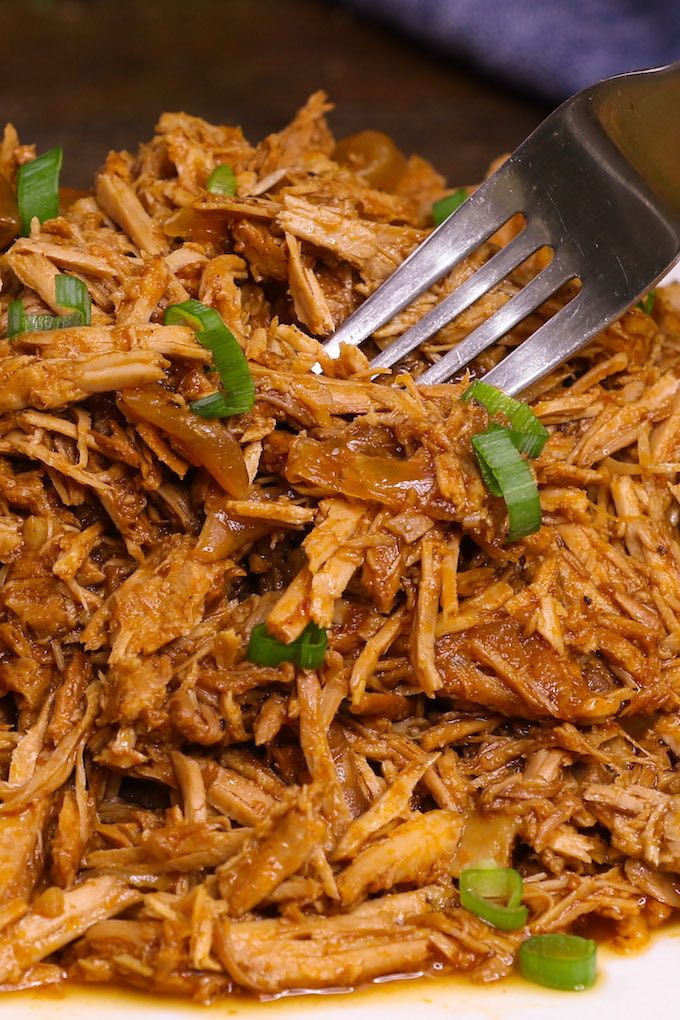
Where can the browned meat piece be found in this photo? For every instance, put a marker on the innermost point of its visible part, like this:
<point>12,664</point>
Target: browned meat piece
<point>375,250</point>
<point>172,341</point>
<point>120,203</point>
<point>307,132</point>
<point>21,851</point>
<point>162,600</point>
<point>265,254</point>
<point>270,956</point>
<point>415,851</point>
<point>267,862</point>
<point>36,936</point>
<point>28,381</point>
<point>308,297</point>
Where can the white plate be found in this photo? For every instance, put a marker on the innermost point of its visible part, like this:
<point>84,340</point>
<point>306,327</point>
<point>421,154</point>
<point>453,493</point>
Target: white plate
<point>647,983</point>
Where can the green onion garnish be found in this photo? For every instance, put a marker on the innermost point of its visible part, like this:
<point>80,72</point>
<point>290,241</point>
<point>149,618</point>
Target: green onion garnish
<point>648,301</point>
<point>69,293</point>
<point>200,317</point>
<point>498,450</point>
<point>567,962</point>
<point>442,209</point>
<point>16,319</point>
<point>507,474</point>
<point>307,651</point>
<point>212,406</point>
<point>480,887</point>
<point>233,368</point>
<point>229,359</point>
<point>38,188</point>
<point>266,650</point>
<point>222,180</point>
<point>19,322</point>
<point>526,431</point>
<point>313,641</point>
<point>72,293</point>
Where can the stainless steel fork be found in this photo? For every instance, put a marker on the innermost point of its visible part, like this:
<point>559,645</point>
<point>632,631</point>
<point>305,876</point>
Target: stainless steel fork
<point>598,182</point>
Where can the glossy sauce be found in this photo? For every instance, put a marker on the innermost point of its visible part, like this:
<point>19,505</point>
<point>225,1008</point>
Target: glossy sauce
<point>404,997</point>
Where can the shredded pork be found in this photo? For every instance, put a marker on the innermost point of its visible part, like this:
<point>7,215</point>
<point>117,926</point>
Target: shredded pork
<point>173,816</point>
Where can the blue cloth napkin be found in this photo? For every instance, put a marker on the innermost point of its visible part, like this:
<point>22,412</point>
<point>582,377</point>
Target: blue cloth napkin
<point>553,47</point>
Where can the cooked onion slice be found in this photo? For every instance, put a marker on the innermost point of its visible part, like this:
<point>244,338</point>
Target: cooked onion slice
<point>204,443</point>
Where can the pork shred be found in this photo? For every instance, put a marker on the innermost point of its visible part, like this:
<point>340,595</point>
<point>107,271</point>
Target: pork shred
<point>177,818</point>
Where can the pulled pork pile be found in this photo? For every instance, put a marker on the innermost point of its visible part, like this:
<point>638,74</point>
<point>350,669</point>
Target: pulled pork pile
<point>174,816</point>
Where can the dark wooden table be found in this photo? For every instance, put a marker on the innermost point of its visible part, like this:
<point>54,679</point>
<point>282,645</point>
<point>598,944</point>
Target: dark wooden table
<point>94,74</point>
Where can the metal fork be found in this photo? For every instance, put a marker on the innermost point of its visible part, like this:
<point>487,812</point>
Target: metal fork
<point>598,182</point>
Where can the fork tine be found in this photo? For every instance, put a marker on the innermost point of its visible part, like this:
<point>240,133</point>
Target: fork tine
<point>477,219</point>
<point>549,346</point>
<point>491,273</point>
<point>501,322</point>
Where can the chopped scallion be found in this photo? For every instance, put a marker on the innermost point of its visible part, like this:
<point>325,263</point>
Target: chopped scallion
<point>507,474</point>
<point>313,641</point>
<point>307,651</point>
<point>526,431</point>
<point>442,209</point>
<point>211,406</point>
<point>266,650</point>
<point>18,322</point>
<point>195,314</point>
<point>16,319</point>
<point>233,368</point>
<point>567,962</point>
<point>38,188</point>
<point>229,359</point>
<point>69,293</point>
<point>648,302</point>
<point>72,293</point>
<point>480,888</point>
<point>43,322</point>
<point>222,180</point>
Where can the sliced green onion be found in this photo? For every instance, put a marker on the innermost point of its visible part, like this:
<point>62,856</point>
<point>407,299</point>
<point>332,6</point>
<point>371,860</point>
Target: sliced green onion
<point>648,302</point>
<point>233,368</point>
<point>567,962</point>
<point>229,359</point>
<point>488,477</point>
<point>222,180</point>
<point>212,406</point>
<point>266,650</point>
<point>195,314</point>
<point>443,207</point>
<point>313,641</point>
<point>307,651</point>
<point>18,322</point>
<point>72,293</point>
<point>38,188</point>
<point>16,319</point>
<point>44,322</point>
<point>526,431</point>
<point>507,474</point>
<point>480,887</point>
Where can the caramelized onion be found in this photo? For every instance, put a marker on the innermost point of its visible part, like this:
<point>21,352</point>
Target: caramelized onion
<point>204,443</point>
<point>388,480</point>
<point>373,156</point>
<point>196,225</point>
